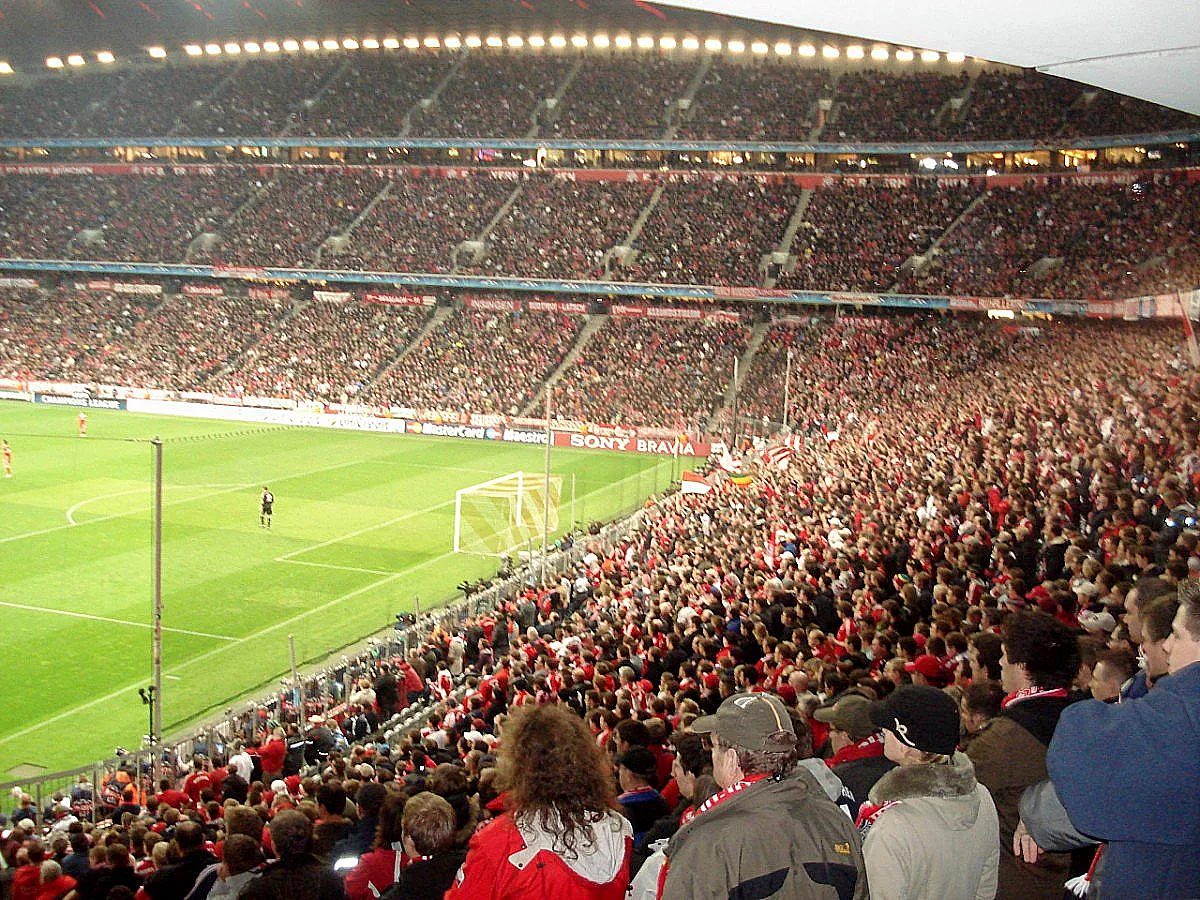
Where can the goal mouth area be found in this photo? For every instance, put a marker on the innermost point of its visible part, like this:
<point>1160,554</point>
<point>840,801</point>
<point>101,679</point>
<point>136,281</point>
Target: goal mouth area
<point>502,515</point>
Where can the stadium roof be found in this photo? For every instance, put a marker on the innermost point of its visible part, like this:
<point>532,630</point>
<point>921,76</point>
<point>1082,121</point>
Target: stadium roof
<point>1144,48</point>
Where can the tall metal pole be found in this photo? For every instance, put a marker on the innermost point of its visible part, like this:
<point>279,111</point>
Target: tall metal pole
<point>787,391</point>
<point>297,700</point>
<point>546,488</point>
<point>156,701</point>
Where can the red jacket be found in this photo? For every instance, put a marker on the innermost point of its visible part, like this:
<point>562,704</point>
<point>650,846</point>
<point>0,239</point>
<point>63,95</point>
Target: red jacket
<point>26,882</point>
<point>375,873</point>
<point>272,755</point>
<point>500,865</point>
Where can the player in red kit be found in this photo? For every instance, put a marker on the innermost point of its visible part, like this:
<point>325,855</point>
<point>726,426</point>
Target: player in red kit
<point>83,424</point>
<point>6,453</point>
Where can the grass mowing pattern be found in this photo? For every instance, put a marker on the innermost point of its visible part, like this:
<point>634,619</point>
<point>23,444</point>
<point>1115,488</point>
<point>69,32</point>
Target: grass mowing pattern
<point>363,524</point>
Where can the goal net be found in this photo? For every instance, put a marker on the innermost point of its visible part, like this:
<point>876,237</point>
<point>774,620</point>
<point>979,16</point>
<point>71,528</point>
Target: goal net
<point>496,517</point>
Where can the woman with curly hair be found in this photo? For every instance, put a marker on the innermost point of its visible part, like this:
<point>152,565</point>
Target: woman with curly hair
<point>560,836</point>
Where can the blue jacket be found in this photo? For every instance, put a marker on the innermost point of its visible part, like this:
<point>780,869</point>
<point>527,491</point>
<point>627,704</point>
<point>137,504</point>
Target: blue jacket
<point>1127,775</point>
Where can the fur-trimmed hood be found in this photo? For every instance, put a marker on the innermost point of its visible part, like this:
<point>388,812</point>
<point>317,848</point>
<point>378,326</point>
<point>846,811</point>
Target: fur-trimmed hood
<point>953,783</point>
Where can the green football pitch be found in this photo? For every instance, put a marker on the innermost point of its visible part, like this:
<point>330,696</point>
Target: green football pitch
<point>363,525</point>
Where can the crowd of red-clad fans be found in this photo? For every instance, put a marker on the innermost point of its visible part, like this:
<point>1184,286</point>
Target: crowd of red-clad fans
<point>967,581</point>
<point>768,102</point>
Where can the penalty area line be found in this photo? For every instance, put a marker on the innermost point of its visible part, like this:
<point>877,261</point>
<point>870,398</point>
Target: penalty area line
<point>80,615</point>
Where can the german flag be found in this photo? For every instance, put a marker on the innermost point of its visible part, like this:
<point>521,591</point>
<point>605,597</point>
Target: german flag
<point>741,479</point>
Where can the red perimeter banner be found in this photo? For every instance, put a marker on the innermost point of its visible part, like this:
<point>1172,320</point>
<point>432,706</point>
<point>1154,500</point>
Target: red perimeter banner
<point>400,299</point>
<point>688,313</point>
<point>268,293</point>
<point>203,290</point>
<point>635,444</point>
<point>558,306</point>
<point>493,304</point>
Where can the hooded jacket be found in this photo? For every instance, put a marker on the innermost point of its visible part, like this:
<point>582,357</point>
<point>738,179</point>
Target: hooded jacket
<point>936,835</point>
<point>778,838</point>
<point>1147,748</point>
<point>526,861</point>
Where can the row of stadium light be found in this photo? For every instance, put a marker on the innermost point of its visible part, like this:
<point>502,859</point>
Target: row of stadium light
<point>879,52</point>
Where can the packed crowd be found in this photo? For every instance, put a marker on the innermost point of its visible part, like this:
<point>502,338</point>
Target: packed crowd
<point>857,238</point>
<point>563,229</point>
<point>711,232</point>
<point>371,97</point>
<point>479,361</point>
<point>183,343</point>
<point>768,102</point>
<point>1103,241</point>
<point>496,93</point>
<point>328,351</point>
<point>636,372</point>
<point>931,644</point>
<point>294,214</point>
<point>492,96</point>
<point>612,98</point>
<point>147,218</point>
<point>418,225</point>
<point>51,335</point>
<point>260,97</point>
<point>871,106</point>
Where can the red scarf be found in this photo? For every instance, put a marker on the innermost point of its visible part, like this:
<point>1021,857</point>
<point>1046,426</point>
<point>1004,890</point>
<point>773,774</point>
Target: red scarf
<point>867,748</point>
<point>720,797</point>
<point>1030,693</point>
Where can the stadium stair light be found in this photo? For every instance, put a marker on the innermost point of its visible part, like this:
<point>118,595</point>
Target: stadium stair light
<point>494,41</point>
<point>830,52</point>
<point>233,49</point>
<point>452,42</point>
<point>76,60</point>
<point>601,40</point>
<point>759,48</point>
<point>515,41</point>
<point>474,41</point>
<point>623,41</point>
<point>252,47</point>
<point>212,49</point>
<point>391,43</point>
<point>645,42</point>
<point>854,51</point>
<point>157,52</point>
<point>955,57</point>
<point>930,56</point>
<point>879,53</point>
<point>904,56</point>
<point>713,45</point>
<point>690,43</point>
<point>806,50</point>
<point>349,44</point>
<point>735,46</point>
<point>557,41</point>
<point>106,57</point>
<point>783,48</point>
<point>330,44</point>
<point>536,41</point>
<point>6,68</point>
<point>311,44</point>
<point>432,43</point>
<point>291,45</point>
<point>579,41</point>
<point>370,44</point>
<point>193,50</point>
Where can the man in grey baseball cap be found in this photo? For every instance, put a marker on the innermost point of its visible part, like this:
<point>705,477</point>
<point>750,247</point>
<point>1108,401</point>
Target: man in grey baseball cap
<point>770,831</point>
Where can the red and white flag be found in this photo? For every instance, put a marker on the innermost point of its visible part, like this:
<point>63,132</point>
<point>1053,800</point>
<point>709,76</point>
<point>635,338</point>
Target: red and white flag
<point>691,483</point>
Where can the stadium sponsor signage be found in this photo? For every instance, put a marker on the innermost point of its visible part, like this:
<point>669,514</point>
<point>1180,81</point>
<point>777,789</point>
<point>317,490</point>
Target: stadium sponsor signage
<point>333,296</point>
<point>632,311</point>
<point>557,306</point>
<point>459,431</point>
<point>121,287</point>
<point>11,384</point>
<point>493,304</point>
<point>634,444</point>
<point>18,283</point>
<point>210,410</point>
<point>400,299</point>
<point>268,293</point>
<point>857,299</point>
<point>239,272</point>
<point>85,402</point>
<point>518,436</point>
<point>13,395</point>
<point>203,290</point>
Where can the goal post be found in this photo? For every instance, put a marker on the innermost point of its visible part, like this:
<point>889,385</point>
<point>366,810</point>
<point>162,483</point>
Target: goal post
<point>494,518</point>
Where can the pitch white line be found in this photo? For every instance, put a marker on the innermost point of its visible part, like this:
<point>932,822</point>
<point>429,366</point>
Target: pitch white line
<point>108,518</point>
<point>94,618</point>
<point>316,565</point>
<point>288,557</point>
<point>146,489</point>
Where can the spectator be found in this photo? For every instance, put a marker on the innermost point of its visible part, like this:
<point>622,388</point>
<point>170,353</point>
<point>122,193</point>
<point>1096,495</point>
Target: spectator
<point>378,870</point>
<point>765,823</point>
<point>295,872</point>
<point>429,840</point>
<point>558,813</point>
<point>1040,661</point>
<point>239,864</point>
<point>176,880</point>
<point>858,759</point>
<point>637,770</point>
